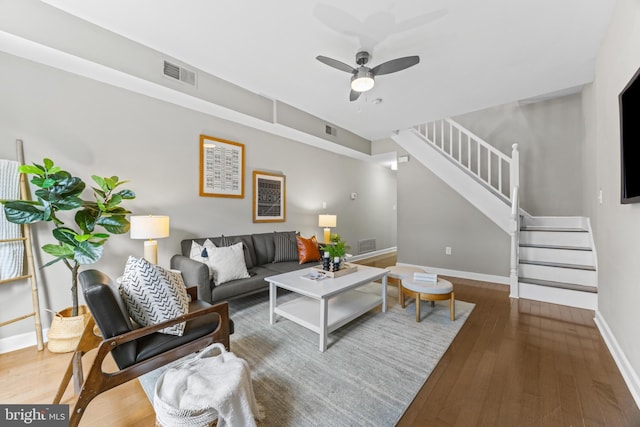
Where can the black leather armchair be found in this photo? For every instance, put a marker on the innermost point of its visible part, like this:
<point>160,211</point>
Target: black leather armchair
<point>135,351</point>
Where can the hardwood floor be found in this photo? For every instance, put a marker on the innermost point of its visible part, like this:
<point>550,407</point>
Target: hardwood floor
<point>514,363</point>
<point>523,363</point>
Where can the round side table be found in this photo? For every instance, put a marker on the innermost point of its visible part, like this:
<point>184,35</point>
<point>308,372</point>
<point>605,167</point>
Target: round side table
<point>399,272</point>
<point>428,291</point>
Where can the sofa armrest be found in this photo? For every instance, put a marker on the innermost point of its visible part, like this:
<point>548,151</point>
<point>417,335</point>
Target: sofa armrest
<point>194,273</point>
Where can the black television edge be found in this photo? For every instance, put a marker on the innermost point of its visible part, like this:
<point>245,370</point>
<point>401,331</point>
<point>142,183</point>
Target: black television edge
<point>629,101</point>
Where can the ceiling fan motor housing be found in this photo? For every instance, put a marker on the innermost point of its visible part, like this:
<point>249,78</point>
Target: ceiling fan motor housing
<point>362,57</point>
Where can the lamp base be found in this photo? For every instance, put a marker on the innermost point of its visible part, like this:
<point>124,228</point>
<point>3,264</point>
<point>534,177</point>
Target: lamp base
<point>151,251</point>
<point>327,235</point>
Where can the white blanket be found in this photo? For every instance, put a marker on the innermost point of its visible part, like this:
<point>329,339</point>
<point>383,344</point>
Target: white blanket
<point>11,253</point>
<point>192,393</point>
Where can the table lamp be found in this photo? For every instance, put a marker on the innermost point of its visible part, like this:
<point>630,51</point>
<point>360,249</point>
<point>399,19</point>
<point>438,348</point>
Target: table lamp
<point>149,227</point>
<point>327,221</point>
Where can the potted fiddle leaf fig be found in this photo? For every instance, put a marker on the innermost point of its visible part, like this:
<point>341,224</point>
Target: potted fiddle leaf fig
<point>59,201</point>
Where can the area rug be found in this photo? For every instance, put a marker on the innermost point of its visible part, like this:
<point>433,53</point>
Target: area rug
<point>370,373</point>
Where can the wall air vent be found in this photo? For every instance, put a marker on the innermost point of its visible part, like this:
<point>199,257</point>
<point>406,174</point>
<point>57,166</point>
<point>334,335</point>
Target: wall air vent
<point>366,245</point>
<point>329,130</point>
<point>179,73</point>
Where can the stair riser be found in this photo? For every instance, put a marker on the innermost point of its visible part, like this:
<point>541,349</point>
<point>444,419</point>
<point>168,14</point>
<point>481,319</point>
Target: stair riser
<point>557,238</point>
<point>570,298</point>
<point>556,221</point>
<point>567,275</point>
<point>557,255</point>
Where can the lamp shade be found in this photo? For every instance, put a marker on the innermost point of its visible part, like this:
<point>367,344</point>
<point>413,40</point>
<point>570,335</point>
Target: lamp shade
<point>327,220</point>
<point>149,226</point>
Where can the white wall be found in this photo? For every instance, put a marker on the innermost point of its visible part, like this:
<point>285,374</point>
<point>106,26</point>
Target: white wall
<point>93,128</point>
<point>617,226</point>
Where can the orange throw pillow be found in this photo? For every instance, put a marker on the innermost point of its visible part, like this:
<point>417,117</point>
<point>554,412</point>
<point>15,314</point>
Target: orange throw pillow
<point>307,249</point>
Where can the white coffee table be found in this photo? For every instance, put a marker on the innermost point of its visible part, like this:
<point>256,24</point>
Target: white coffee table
<point>326,305</point>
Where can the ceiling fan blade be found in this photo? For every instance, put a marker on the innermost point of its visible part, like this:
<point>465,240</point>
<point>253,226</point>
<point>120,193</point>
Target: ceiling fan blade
<point>336,64</point>
<point>395,65</point>
<point>353,95</point>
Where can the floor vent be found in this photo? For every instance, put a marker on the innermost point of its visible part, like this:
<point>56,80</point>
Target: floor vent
<point>179,73</point>
<point>366,245</point>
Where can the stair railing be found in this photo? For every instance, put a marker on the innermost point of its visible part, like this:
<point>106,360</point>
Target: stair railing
<point>491,166</point>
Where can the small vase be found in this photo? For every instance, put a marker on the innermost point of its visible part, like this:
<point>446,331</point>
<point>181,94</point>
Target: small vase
<point>336,263</point>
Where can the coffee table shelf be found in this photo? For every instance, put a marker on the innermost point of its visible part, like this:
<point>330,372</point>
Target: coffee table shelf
<point>343,308</point>
<point>324,306</point>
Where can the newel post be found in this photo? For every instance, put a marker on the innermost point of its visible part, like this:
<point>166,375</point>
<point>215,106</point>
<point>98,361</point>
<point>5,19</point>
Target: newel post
<point>514,187</point>
<point>514,169</point>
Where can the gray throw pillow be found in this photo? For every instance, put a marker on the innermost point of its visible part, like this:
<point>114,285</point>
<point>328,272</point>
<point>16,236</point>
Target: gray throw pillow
<point>286,247</point>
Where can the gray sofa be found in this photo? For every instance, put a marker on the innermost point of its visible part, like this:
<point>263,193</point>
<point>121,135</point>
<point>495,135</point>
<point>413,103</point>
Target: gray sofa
<point>259,254</point>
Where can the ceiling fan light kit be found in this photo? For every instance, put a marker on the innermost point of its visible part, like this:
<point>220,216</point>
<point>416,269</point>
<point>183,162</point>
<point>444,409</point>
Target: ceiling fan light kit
<point>363,78</point>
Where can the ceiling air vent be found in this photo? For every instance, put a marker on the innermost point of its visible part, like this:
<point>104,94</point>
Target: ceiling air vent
<point>329,130</point>
<point>179,73</point>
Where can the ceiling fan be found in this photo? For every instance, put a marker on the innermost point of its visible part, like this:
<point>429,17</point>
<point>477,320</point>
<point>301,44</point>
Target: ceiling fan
<point>363,77</point>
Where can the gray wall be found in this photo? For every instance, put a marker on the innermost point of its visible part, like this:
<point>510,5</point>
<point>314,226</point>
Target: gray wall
<point>93,128</point>
<point>617,226</point>
<point>550,137</point>
<point>432,216</point>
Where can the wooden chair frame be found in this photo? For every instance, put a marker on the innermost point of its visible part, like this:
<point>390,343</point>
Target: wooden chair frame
<point>99,381</point>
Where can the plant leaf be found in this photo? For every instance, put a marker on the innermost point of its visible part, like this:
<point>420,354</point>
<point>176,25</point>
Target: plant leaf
<point>31,169</point>
<point>127,194</point>
<point>86,219</point>
<point>20,212</point>
<point>114,224</point>
<point>59,251</point>
<point>87,252</point>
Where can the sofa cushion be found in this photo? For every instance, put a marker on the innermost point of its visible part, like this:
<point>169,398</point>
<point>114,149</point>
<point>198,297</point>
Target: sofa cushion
<point>243,287</point>
<point>153,294</point>
<point>265,248</point>
<point>285,246</point>
<point>307,249</point>
<point>286,266</point>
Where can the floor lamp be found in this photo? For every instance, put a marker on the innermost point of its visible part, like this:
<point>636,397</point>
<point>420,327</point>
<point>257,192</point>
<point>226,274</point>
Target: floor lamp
<point>150,227</point>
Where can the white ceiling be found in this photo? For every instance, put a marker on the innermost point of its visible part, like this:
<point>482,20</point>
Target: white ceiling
<point>474,54</point>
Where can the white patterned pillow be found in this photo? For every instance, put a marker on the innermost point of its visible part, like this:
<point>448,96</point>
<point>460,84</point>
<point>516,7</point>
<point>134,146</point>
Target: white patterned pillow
<point>200,253</point>
<point>153,294</point>
<point>228,263</point>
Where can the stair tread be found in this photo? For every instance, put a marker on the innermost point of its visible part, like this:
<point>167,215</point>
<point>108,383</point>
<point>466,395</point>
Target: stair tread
<point>556,229</point>
<point>558,264</point>
<point>568,248</point>
<point>561,285</point>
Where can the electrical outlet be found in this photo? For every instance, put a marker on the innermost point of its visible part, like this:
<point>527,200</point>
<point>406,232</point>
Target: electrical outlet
<point>447,250</point>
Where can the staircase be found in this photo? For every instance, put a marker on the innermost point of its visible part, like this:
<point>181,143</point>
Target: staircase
<point>553,259</point>
<point>557,261</point>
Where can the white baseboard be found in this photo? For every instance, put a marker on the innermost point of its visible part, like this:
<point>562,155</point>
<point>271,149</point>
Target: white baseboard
<point>628,373</point>
<point>17,342</point>
<point>504,280</point>
<point>372,254</point>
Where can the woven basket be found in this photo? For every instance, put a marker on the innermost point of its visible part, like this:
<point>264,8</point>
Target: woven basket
<point>66,330</point>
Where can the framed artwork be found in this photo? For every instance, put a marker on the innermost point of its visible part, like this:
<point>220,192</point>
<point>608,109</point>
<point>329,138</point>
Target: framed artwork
<point>269,197</point>
<point>221,168</point>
